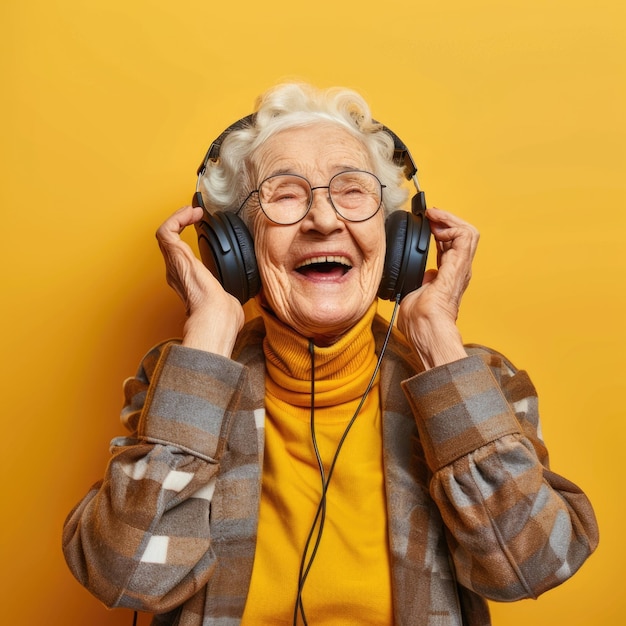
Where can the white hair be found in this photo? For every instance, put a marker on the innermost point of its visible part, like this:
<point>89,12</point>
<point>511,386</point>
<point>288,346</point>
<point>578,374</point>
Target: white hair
<point>228,180</point>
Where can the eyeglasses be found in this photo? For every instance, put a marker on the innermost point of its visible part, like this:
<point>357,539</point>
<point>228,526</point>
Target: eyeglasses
<point>285,199</point>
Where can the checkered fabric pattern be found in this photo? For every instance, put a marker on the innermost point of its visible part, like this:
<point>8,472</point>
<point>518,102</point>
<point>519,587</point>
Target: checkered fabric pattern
<point>474,511</point>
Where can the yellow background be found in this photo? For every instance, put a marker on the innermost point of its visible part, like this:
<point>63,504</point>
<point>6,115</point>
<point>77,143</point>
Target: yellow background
<point>514,111</point>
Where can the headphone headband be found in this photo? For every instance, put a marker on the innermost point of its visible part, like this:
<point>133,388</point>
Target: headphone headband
<point>401,154</point>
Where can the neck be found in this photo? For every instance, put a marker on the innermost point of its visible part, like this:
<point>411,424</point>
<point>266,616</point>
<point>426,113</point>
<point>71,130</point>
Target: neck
<point>289,351</point>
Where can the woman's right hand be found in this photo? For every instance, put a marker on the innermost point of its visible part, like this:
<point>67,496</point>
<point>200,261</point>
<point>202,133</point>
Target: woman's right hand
<point>214,317</point>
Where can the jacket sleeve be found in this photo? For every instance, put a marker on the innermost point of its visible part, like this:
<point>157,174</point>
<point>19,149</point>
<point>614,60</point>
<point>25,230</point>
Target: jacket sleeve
<point>515,528</point>
<point>140,538</point>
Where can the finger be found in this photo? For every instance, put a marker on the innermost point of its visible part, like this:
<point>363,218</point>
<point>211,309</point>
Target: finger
<point>446,226</point>
<point>451,232</point>
<point>439,216</point>
<point>171,229</point>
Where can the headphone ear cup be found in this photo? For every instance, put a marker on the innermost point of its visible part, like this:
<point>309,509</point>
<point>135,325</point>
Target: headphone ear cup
<point>227,250</point>
<point>395,232</point>
<point>252,278</point>
<point>408,238</point>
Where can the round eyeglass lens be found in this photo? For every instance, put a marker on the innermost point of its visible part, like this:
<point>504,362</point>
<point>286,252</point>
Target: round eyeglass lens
<point>285,198</point>
<point>355,195</point>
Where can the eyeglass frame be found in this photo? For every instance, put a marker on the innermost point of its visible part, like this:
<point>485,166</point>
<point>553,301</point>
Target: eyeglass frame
<point>310,204</point>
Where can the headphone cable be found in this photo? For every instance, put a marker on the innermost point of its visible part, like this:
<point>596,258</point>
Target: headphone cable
<point>321,509</point>
<point>321,512</point>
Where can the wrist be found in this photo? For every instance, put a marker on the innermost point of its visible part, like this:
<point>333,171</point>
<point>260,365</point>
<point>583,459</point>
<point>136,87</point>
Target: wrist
<point>437,344</point>
<point>211,333</point>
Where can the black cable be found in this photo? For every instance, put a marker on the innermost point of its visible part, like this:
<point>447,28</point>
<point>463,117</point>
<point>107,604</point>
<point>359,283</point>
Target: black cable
<point>321,509</point>
<point>299,606</point>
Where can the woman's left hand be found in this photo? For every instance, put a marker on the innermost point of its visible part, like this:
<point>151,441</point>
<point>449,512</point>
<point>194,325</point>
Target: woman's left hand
<point>427,316</point>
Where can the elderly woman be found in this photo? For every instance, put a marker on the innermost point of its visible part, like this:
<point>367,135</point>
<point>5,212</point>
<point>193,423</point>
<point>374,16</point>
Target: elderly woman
<point>274,474</point>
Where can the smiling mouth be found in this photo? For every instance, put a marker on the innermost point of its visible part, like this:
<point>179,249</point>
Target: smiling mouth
<point>331,266</point>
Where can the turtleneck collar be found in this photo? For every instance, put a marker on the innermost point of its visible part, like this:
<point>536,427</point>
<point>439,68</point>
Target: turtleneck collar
<point>342,370</point>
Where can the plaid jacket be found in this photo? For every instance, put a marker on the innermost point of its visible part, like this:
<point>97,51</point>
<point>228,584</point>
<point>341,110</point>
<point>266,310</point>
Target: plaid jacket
<point>474,512</point>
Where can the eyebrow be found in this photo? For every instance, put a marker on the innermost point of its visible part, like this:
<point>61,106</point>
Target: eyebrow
<point>279,172</point>
<point>336,169</point>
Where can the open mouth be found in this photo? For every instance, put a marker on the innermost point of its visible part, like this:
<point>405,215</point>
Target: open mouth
<point>329,266</point>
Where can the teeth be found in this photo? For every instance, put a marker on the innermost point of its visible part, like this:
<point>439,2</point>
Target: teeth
<point>325,259</point>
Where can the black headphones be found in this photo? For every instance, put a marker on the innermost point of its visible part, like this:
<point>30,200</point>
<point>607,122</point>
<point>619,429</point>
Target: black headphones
<point>227,249</point>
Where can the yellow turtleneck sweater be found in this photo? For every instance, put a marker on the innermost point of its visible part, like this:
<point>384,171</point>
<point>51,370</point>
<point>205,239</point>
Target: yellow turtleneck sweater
<point>349,580</point>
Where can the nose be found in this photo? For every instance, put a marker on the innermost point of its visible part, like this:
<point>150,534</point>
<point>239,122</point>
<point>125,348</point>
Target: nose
<point>322,215</point>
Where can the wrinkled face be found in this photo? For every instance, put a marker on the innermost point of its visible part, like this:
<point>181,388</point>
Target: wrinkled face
<point>321,274</point>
